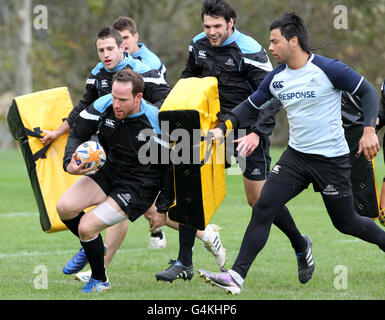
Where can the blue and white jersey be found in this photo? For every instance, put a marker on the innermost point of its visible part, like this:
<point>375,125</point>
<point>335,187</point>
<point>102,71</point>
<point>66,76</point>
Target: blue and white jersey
<point>150,58</point>
<point>311,97</point>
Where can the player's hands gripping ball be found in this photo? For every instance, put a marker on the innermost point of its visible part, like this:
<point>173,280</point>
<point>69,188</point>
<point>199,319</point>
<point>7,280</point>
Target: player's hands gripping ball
<point>91,153</point>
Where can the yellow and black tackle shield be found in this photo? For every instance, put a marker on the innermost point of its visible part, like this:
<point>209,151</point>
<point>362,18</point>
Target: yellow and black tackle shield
<point>363,176</point>
<point>27,117</point>
<point>190,110</point>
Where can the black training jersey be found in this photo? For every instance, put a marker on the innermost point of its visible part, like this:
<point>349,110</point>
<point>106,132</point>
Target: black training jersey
<point>127,144</point>
<point>99,83</point>
<point>240,64</point>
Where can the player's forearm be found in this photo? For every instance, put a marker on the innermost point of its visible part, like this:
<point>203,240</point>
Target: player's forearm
<point>370,103</point>
<point>64,128</point>
<point>238,115</point>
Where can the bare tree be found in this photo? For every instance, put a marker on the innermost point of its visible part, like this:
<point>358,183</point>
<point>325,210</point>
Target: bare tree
<point>23,77</point>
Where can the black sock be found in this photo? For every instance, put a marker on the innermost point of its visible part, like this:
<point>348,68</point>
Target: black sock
<point>94,250</point>
<point>73,224</point>
<point>186,244</point>
<point>157,235</point>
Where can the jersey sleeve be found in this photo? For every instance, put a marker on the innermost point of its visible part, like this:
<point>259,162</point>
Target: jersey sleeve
<point>190,69</point>
<point>91,94</point>
<point>340,75</point>
<point>84,126</point>
<point>256,67</point>
<point>259,98</point>
<point>156,89</point>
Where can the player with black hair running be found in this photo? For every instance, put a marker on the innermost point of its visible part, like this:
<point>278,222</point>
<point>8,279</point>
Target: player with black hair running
<point>309,87</point>
<point>239,63</point>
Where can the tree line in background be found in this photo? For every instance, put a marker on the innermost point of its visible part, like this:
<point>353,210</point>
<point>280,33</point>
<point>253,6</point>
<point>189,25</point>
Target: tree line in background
<point>40,54</point>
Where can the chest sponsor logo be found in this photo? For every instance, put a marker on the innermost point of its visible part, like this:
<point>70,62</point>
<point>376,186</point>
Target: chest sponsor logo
<point>104,83</point>
<point>110,123</point>
<point>202,54</point>
<point>230,62</point>
<point>313,83</point>
<point>297,95</point>
<point>277,85</point>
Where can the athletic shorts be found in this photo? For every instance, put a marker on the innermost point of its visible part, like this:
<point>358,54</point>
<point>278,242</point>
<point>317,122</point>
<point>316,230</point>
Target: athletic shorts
<point>255,167</point>
<point>132,197</point>
<point>330,176</point>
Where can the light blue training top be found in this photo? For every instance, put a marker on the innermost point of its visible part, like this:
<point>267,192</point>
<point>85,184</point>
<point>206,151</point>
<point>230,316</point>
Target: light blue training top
<point>311,97</point>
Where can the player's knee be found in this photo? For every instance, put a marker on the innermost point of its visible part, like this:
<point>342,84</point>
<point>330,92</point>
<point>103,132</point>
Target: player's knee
<point>261,210</point>
<point>66,210</point>
<point>343,227</point>
<point>84,231</point>
<point>252,197</point>
<point>61,209</point>
<point>251,201</point>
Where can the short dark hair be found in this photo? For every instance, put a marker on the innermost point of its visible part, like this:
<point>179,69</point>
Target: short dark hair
<point>218,8</point>
<point>125,23</point>
<point>110,32</point>
<point>128,75</point>
<point>292,25</point>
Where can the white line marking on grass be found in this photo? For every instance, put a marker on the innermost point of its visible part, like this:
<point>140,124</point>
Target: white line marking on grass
<point>349,241</point>
<point>51,253</point>
<point>33,254</point>
<point>18,214</point>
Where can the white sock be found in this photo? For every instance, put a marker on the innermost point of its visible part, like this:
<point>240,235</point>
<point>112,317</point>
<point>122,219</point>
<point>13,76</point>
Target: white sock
<point>237,277</point>
<point>205,236</point>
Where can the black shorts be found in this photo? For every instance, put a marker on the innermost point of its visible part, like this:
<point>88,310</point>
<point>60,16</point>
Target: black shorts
<point>330,176</point>
<point>131,195</point>
<point>255,167</point>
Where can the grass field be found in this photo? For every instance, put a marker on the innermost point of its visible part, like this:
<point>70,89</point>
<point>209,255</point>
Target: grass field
<point>26,251</point>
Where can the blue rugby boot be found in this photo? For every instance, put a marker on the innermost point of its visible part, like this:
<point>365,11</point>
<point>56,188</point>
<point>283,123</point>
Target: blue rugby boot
<point>76,263</point>
<point>96,286</point>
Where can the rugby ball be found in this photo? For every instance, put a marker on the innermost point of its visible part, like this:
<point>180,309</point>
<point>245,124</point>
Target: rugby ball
<point>92,153</point>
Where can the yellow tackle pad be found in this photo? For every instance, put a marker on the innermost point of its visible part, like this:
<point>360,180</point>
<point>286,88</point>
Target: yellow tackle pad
<point>189,111</point>
<point>28,115</point>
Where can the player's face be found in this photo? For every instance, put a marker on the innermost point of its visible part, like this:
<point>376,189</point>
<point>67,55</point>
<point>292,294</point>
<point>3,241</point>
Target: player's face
<point>279,46</point>
<point>109,52</point>
<point>130,41</point>
<point>123,101</point>
<point>217,29</point>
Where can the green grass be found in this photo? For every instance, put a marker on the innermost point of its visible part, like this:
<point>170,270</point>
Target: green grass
<point>24,246</point>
